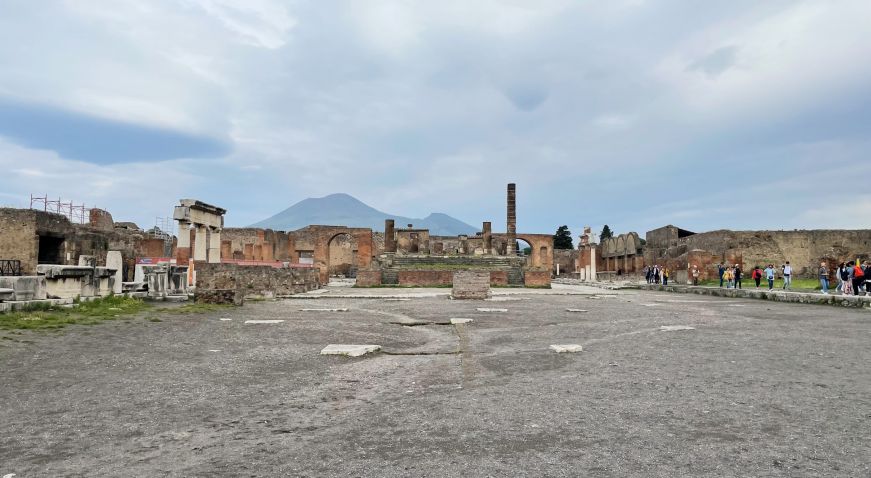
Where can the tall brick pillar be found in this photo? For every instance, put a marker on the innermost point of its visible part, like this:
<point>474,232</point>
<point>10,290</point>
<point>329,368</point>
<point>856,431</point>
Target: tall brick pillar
<point>389,236</point>
<point>511,248</point>
<point>488,238</point>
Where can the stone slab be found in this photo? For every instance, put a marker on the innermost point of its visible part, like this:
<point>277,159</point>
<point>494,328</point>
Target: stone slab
<point>675,328</point>
<point>460,321</point>
<point>488,309</point>
<point>324,310</point>
<point>577,310</point>
<point>115,262</point>
<point>566,348</point>
<point>263,321</point>
<point>349,350</point>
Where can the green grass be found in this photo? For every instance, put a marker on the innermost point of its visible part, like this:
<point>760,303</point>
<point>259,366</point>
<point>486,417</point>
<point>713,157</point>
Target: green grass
<point>196,308</point>
<point>49,317</point>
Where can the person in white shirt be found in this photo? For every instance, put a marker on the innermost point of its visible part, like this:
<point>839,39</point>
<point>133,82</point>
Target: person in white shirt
<point>787,276</point>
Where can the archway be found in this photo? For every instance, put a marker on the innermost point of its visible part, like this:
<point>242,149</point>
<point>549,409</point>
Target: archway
<point>526,250</point>
<point>342,255</point>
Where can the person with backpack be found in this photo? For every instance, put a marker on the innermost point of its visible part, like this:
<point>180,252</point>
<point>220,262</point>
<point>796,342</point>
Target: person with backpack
<point>737,276</point>
<point>824,278</point>
<point>787,276</point>
<point>847,279</point>
<point>858,278</point>
<point>769,274</point>
<point>757,275</point>
<point>840,287</point>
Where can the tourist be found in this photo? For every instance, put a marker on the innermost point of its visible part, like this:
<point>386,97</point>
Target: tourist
<point>840,287</point>
<point>665,276</point>
<point>787,276</point>
<point>824,278</point>
<point>695,275</point>
<point>847,279</point>
<point>769,274</point>
<point>728,277</point>
<point>647,271</point>
<point>867,270</point>
<point>721,271</point>
<point>757,275</point>
<point>858,279</point>
<point>737,275</point>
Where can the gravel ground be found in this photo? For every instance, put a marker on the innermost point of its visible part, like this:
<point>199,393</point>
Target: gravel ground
<point>755,389</point>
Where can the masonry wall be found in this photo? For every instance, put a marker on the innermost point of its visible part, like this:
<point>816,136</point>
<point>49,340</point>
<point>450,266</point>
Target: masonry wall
<point>425,278</point>
<point>18,239</point>
<point>536,278</point>
<point>256,281</point>
<point>566,258</point>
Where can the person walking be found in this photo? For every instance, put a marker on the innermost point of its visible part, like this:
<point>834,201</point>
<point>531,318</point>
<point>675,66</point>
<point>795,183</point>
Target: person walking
<point>769,274</point>
<point>824,278</point>
<point>695,274</point>
<point>867,270</point>
<point>728,277</point>
<point>787,276</point>
<point>847,279</point>
<point>840,287</point>
<point>858,278</point>
<point>665,275</point>
<point>757,275</point>
<point>737,275</point>
<point>721,271</point>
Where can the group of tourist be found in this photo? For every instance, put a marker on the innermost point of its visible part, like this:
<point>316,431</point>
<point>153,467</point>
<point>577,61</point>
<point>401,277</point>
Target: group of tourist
<point>853,278</point>
<point>730,276</point>
<point>656,275</point>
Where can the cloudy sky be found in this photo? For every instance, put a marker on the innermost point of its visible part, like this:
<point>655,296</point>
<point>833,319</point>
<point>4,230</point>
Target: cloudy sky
<point>637,113</point>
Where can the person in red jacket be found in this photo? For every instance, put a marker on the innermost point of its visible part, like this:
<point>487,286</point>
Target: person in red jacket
<point>756,275</point>
<point>858,278</point>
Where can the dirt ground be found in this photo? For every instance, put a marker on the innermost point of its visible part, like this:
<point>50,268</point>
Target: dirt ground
<point>757,388</point>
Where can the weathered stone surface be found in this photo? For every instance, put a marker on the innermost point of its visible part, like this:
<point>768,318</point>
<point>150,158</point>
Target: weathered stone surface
<point>471,285</point>
<point>489,309</point>
<point>566,348</point>
<point>349,350</point>
<point>456,321</point>
<point>324,310</point>
<point>116,262</point>
<point>264,321</point>
<point>219,296</point>
<point>577,310</point>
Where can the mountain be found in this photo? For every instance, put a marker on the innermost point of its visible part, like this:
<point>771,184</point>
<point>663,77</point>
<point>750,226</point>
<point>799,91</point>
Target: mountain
<point>346,210</point>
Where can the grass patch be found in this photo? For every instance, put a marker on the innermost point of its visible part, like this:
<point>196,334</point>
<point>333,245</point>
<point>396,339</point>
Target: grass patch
<point>196,308</point>
<point>797,284</point>
<point>50,317</point>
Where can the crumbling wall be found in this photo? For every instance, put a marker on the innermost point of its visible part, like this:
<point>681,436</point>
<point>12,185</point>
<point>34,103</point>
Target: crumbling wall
<point>256,281</point>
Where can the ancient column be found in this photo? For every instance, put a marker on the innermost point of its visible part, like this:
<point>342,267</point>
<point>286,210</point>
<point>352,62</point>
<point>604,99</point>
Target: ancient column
<point>214,245</point>
<point>389,236</point>
<point>200,246</point>
<point>488,238</point>
<point>183,248</point>
<point>511,248</point>
<point>593,263</point>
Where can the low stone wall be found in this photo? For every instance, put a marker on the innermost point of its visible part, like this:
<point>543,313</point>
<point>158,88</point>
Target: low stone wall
<point>25,287</point>
<point>778,296</point>
<point>425,278</point>
<point>471,285</point>
<point>536,278</point>
<point>256,281</point>
<point>219,296</point>
<point>368,278</point>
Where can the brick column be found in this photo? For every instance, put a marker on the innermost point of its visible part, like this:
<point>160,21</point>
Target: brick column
<point>488,238</point>
<point>389,236</point>
<point>511,248</point>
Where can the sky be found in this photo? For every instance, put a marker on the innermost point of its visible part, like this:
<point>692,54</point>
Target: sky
<point>732,114</point>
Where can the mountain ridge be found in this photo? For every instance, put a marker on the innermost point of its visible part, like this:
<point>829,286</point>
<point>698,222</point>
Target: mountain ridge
<point>342,209</point>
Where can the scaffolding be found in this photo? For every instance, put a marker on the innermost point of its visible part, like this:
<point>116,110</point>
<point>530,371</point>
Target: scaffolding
<point>75,213</point>
<point>163,230</point>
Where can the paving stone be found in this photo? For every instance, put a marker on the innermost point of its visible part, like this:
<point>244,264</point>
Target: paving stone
<point>460,321</point>
<point>577,310</point>
<point>263,321</point>
<point>349,350</point>
<point>324,310</point>
<point>675,328</point>
<point>487,309</point>
<point>566,348</point>
<point>225,319</point>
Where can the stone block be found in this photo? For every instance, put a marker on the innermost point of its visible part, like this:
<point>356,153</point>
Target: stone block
<point>566,348</point>
<point>349,350</point>
<point>536,278</point>
<point>471,285</point>
<point>116,262</point>
<point>368,278</point>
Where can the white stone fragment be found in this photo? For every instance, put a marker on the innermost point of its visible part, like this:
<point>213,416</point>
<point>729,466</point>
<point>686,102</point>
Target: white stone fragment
<point>674,328</point>
<point>651,305</point>
<point>577,310</point>
<point>263,321</point>
<point>488,309</point>
<point>397,299</point>
<point>225,320</point>
<point>502,298</point>
<point>324,310</point>
<point>460,321</point>
<point>349,350</point>
<point>214,350</point>
<point>566,348</point>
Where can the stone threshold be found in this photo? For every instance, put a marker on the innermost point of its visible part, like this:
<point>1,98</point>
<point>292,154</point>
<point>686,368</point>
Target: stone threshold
<point>763,294</point>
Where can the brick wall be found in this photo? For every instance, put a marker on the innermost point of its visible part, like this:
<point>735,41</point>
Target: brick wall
<point>499,277</point>
<point>367,278</point>
<point>536,278</point>
<point>425,278</point>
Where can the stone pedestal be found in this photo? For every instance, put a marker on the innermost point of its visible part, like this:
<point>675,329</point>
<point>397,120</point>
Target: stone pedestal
<point>214,245</point>
<point>116,262</point>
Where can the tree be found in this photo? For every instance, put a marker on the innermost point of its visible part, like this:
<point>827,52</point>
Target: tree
<point>606,233</point>
<point>563,238</point>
